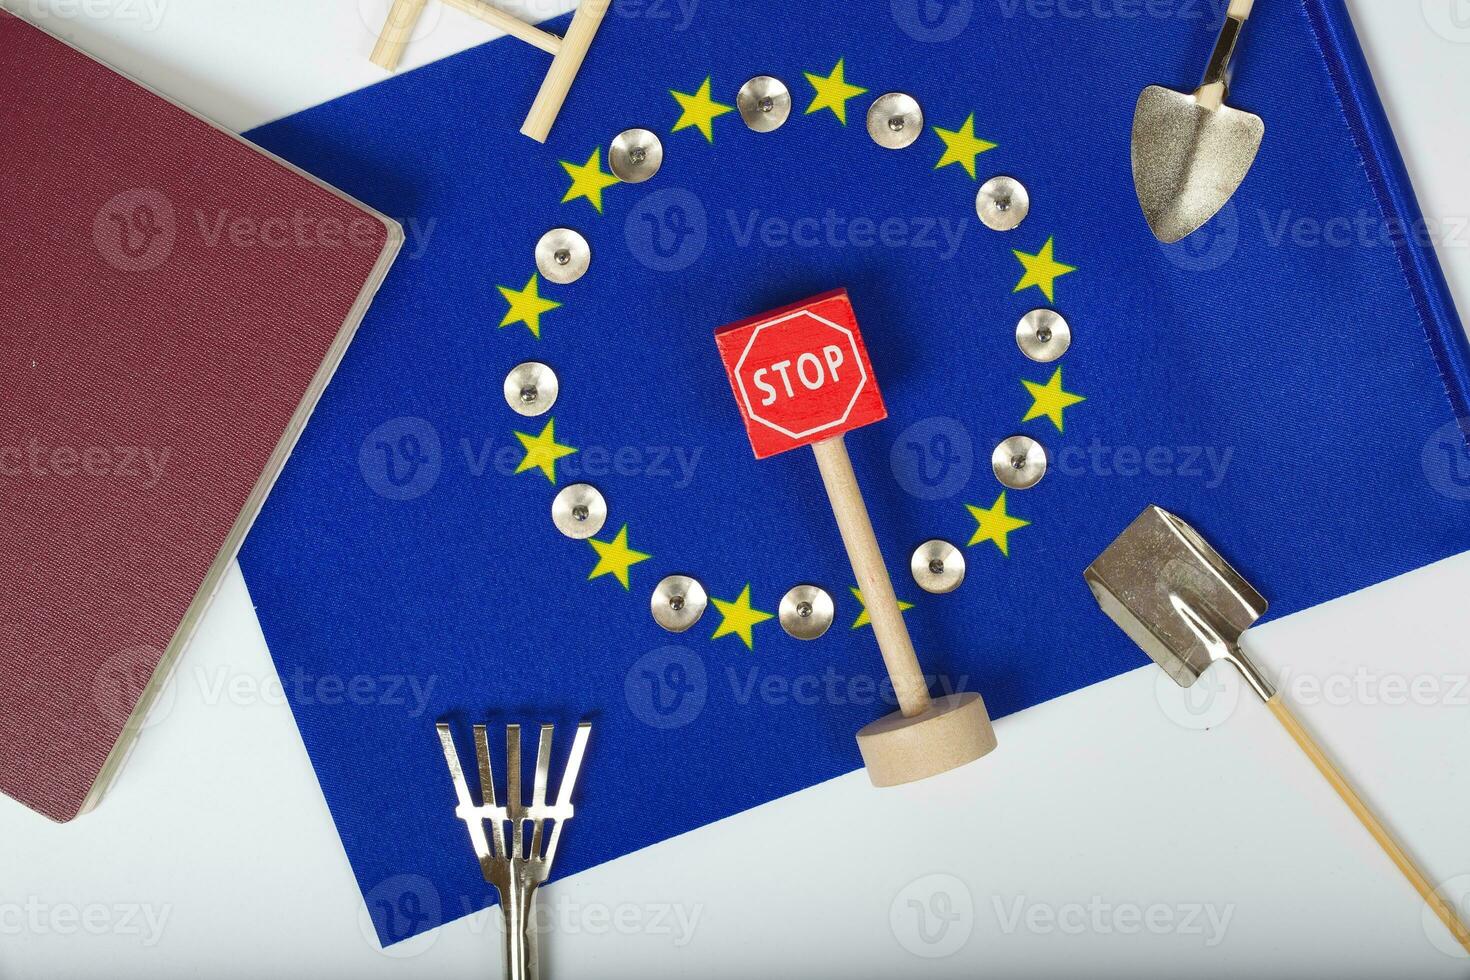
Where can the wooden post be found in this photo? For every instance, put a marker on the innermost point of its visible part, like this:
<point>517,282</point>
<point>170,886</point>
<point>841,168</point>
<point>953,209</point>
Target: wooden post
<point>851,512</point>
<point>801,377</point>
<point>564,68</point>
<point>402,19</point>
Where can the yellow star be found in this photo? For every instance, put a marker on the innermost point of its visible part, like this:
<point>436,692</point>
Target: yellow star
<point>962,146</point>
<point>1042,270</point>
<point>833,92</point>
<point>699,111</point>
<point>737,618</point>
<point>526,305</point>
<point>863,618</point>
<point>543,451</point>
<point>1049,400</point>
<point>615,557</point>
<point>589,180</point>
<point>995,524</point>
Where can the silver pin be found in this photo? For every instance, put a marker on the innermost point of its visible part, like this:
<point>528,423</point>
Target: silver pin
<point>1043,335</point>
<point>765,103</point>
<point>678,602</point>
<point>1019,462</point>
<point>531,388</point>
<point>1003,203</point>
<point>895,120</point>
<point>563,255</point>
<point>806,612</point>
<point>579,511</point>
<point>635,156</point>
<point>938,567</point>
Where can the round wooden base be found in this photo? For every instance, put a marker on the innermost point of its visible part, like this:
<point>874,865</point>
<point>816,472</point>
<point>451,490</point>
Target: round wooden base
<point>955,730</point>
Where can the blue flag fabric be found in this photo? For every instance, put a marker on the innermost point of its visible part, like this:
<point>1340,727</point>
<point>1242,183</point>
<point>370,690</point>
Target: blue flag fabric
<point>1289,380</point>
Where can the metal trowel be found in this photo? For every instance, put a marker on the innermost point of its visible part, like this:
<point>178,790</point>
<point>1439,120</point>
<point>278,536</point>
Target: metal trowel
<point>1191,152</point>
<point>1186,607</point>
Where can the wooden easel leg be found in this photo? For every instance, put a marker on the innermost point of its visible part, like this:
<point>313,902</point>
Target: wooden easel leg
<point>396,32</point>
<point>564,67</point>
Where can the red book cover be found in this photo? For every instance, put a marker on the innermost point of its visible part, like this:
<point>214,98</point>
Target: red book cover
<point>175,300</point>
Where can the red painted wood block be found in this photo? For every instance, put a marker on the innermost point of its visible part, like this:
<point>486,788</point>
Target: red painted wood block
<point>801,374</point>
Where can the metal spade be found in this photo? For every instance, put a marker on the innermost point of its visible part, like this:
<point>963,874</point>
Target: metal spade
<point>1191,152</point>
<point>1186,607</point>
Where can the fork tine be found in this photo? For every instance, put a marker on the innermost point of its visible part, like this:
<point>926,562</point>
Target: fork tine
<point>574,764</point>
<point>513,804</point>
<point>543,767</point>
<point>487,774</point>
<point>564,792</point>
<point>466,810</point>
<point>538,791</point>
<point>451,759</point>
<point>487,785</point>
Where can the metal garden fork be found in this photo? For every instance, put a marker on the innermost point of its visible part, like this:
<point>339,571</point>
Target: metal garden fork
<point>515,868</point>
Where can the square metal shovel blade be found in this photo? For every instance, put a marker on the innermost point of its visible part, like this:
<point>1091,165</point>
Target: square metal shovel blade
<point>1174,595</point>
<point>1189,159</point>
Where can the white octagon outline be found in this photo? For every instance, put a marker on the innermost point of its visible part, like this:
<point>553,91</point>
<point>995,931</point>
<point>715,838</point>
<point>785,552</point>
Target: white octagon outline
<point>853,347</point>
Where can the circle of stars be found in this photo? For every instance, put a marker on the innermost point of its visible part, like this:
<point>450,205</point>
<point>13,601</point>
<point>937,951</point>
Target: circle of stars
<point>831,92</point>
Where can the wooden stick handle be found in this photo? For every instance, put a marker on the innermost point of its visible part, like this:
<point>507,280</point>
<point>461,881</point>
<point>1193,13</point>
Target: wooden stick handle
<point>399,26</point>
<point>872,576</point>
<point>1360,809</point>
<point>564,67</point>
<point>513,26</point>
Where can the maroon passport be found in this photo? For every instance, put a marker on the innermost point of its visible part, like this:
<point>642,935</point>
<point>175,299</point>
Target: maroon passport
<point>174,302</point>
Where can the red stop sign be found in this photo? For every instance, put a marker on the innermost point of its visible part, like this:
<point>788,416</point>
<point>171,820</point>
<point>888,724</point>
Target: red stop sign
<point>801,374</point>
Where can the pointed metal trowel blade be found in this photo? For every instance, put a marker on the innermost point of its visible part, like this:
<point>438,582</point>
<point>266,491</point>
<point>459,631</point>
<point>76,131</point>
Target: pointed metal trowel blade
<point>1189,159</point>
<point>1174,595</point>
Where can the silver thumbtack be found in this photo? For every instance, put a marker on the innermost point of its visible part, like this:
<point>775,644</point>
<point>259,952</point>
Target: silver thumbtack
<point>806,612</point>
<point>579,511</point>
<point>562,256</point>
<point>1003,203</point>
<point>1043,335</point>
<point>507,862</point>
<point>531,388</point>
<point>1019,462</point>
<point>635,155</point>
<point>938,567</point>
<point>895,120</point>
<point>764,103</point>
<point>678,602</point>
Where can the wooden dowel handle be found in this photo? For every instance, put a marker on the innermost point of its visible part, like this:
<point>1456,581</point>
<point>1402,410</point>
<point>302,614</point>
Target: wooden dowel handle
<point>1385,840</point>
<point>513,26</point>
<point>872,576</point>
<point>564,67</point>
<point>402,18</point>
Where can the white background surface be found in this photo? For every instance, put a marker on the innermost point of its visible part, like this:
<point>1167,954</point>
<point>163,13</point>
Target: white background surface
<point>1104,812</point>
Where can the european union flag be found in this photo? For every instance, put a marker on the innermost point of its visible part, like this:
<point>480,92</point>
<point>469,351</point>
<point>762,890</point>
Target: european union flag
<point>1292,380</point>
